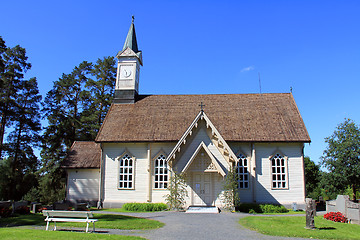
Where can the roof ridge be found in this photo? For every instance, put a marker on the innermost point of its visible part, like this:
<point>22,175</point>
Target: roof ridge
<point>214,94</point>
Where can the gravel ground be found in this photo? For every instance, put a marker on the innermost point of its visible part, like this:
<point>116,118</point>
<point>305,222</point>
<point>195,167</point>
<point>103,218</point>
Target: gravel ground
<point>181,226</point>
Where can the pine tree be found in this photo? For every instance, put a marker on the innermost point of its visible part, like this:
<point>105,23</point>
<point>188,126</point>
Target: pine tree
<point>62,107</point>
<point>13,65</point>
<point>75,108</point>
<point>21,163</point>
<point>102,91</point>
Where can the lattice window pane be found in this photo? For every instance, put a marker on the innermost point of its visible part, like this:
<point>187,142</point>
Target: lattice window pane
<point>278,172</point>
<point>126,172</point>
<point>242,172</point>
<point>161,172</point>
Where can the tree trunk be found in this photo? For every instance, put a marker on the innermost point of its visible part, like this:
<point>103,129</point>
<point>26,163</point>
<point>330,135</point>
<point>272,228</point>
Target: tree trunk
<point>354,192</point>
<point>2,130</point>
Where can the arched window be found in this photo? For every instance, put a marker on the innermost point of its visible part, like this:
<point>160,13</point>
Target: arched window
<point>161,172</point>
<point>278,166</point>
<point>242,171</point>
<point>126,172</point>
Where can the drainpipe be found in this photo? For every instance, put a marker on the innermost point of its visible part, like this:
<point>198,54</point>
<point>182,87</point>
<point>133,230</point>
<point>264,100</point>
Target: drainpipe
<point>253,171</point>
<point>149,197</point>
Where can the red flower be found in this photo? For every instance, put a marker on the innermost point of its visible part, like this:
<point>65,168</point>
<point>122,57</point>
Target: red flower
<point>336,217</point>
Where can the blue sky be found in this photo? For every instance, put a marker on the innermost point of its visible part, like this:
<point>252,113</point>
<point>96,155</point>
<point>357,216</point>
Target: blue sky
<point>199,47</point>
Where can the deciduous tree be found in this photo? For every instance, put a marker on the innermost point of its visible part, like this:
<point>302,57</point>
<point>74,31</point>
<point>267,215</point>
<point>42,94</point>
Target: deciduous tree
<point>312,177</point>
<point>342,157</point>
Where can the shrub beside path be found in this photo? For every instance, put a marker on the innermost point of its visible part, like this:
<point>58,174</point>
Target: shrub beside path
<point>185,226</point>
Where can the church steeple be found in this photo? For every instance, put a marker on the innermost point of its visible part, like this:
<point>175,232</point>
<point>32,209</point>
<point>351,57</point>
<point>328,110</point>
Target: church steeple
<point>129,62</point>
<point>130,41</point>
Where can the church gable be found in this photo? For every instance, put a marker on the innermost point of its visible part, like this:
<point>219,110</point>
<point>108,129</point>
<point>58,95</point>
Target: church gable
<point>201,135</point>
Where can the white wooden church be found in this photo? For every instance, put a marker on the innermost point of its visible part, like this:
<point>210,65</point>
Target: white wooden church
<point>146,138</point>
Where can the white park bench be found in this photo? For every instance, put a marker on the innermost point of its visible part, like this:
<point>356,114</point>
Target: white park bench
<point>69,216</point>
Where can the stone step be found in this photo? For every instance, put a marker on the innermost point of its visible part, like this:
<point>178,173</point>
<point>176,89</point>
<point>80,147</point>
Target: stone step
<point>200,209</point>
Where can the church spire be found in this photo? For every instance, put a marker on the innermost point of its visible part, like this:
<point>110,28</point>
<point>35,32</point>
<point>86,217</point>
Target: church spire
<point>130,41</point>
<point>128,70</point>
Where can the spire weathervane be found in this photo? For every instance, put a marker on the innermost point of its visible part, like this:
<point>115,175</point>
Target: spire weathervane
<point>201,105</point>
<point>132,19</point>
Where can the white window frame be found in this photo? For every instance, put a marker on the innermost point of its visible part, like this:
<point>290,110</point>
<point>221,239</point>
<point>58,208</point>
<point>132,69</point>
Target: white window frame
<point>161,177</point>
<point>279,172</point>
<point>124,174</point>
<point>242,171</point>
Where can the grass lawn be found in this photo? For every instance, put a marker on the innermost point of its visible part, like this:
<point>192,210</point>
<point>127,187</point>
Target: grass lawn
<point>104,221</point>
<point>18,233</point>
<point>291,212</point>
<point>292,226</point>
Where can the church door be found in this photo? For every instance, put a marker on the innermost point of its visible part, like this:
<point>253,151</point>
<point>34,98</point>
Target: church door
<point>202,189</point>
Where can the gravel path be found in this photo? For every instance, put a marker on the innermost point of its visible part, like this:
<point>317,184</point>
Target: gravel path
<point>179,225</point>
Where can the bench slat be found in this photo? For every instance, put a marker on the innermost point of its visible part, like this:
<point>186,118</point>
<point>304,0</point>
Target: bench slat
<point>52,213</point>
<point>70,220</point>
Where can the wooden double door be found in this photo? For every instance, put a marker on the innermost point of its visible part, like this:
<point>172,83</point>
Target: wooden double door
<point>202,189</point>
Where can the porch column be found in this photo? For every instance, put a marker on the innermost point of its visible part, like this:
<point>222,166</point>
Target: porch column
<point>101,178</point>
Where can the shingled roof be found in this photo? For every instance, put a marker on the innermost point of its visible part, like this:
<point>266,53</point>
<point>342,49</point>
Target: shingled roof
<point>83,155</point>
<point>272,117</point>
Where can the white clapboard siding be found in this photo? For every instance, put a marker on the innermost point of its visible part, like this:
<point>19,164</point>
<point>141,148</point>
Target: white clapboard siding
<point>218,183</point>
<point>295,191</point>
<point>140,192</point>
<point>83,184</point>
<point>246,195</point>
<point>158,195</point>
<point>259,188</point>
<point>111,191</point>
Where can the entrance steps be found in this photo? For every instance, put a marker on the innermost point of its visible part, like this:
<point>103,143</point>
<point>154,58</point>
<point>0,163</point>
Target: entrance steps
<point>201,209</point>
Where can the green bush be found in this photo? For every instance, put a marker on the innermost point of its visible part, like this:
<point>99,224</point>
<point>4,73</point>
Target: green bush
<point>262,208</point>
<point>144,207</point>
<point>272,208</point>
<point>246,207</point>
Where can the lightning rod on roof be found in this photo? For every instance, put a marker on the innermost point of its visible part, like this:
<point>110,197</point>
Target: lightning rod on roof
<point>259,83</point>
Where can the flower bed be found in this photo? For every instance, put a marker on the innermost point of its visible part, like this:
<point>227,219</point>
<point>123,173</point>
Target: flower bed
<point>336,217</point>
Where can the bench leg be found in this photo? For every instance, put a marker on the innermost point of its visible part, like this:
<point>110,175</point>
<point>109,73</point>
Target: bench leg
<point>47,225</point>
<point>93,227</point>
<point>87,226</point>
<point>54,226</point>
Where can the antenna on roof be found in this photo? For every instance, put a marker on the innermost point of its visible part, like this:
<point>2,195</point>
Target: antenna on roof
<point>259,83</point>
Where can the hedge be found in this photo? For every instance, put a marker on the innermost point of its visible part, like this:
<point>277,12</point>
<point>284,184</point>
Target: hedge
<point>144,207</point>
<point>261,208</point>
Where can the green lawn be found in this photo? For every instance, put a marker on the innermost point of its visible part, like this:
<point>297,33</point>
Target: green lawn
<point>291,212</point>
<point>292,226</point>
<point>19,233</point>
<point>104,221</point>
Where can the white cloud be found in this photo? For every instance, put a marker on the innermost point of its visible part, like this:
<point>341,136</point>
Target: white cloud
<point>250,68</point>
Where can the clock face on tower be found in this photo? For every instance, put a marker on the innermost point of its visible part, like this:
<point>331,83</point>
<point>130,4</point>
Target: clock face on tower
<point>126,72</point>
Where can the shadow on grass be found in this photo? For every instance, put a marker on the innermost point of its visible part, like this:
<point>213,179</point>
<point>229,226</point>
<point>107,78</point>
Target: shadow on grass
<point>22,220</point>
<point>326,228</point>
